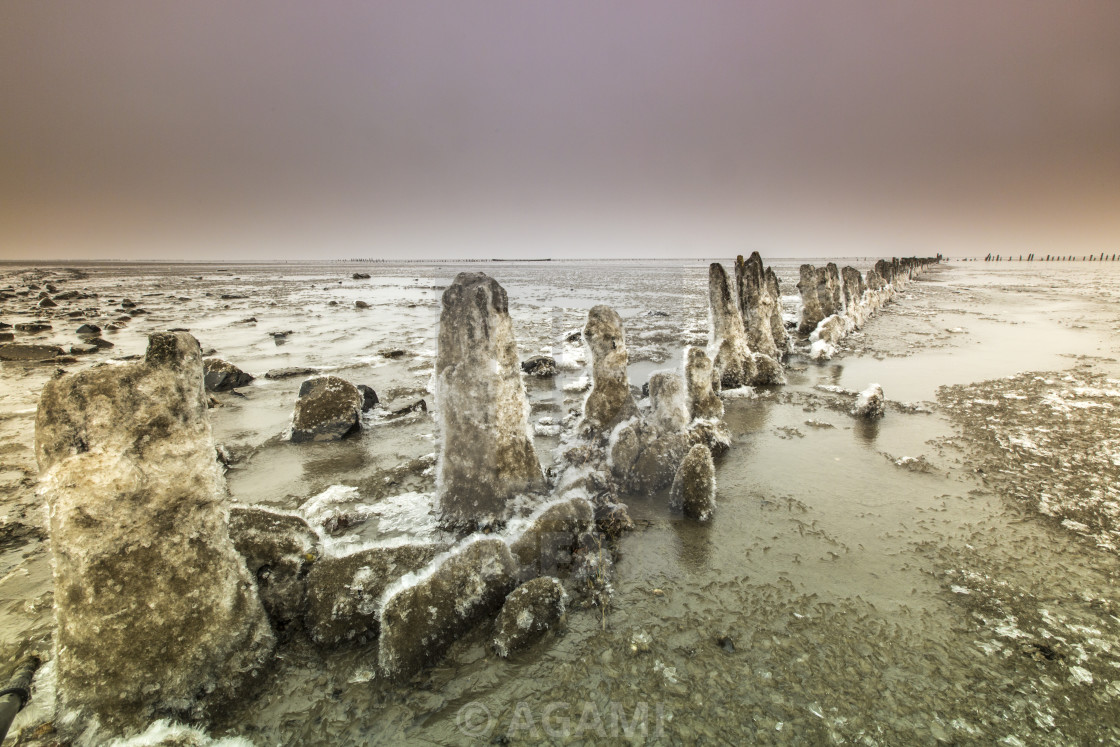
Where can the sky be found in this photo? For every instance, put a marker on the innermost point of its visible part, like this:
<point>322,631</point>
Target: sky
<point>521,128</point>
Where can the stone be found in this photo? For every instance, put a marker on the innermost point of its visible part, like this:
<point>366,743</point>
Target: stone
<point>694,486</point>
<point>83,349</point>
<point>733,362</point>
<point>769,371</point>
<point>530,611</point>
<point>417,406</point>
<point>15,351</point>
<point>279,550</point>
<point>361,305</point>
<point>128,304</point>
<point>344,593</point>
<point>360,276</point>
<point>611,401</point>
<point>668,402</point>
<point>89,329</point>
<point>487,456</point>
<point>551,532</point>
<point>539,365</point>
<point>871,403</point>
<point>32,327</point>
<point>46,303</point>
<point>289,372</point>
<point>703,402</point>
<point>7,336</point>
<point>156,613</point>
<point>222,377</point>
<point>370,400</point>
<point>328,409</point>
<point>422,618</point>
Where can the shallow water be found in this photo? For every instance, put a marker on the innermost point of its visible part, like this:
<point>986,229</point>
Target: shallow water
<point>841,594</point>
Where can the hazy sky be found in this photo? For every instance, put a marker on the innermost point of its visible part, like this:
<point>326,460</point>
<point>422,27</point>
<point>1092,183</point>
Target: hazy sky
<point>524,128</point>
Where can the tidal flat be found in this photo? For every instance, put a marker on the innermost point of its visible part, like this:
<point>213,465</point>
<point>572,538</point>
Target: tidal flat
<point>945,574</point>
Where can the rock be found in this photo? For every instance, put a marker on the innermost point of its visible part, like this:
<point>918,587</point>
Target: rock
<point>530,611</point>
<point>67,295</point>
<point>33,327</point>
<point>344,593</point>
<point>99,343</point>
<point>417,406</point>
<point>703,402</point>
<point>152,602</point>
<point>733,362</point>
<point>610,401</point>
<point>487,456</point>
<point>5,325</point>
<point>393,354</point>
<point>279,550</point>
<point>711,433</point>
<point>551,532</point>
<point>756,304</point>
<point>360,276</point>
<point>422,619</point>
<point>668,402</point>
<point>361,305</point>
<point>222,377</point>
<point>15,351</point>
<point>369,398</point>
<point>47,303</point>
<point>539,365</point>
<point>128,304</point>
<point>7,336</point>
<point>871,403</point>
<point>89,330</point>
<point>694,486</point>
<point>290,372</point>
<point>328,409</point>
<point>85,349</point>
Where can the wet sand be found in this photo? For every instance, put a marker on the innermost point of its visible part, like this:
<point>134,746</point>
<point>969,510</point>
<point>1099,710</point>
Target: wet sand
<point>900,582</point>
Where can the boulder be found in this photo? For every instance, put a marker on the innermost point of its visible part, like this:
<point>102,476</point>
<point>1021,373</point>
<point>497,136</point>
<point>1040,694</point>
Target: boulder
<point>422,618</point>
<point>360,276</point>
<point>222,377</point>
<point>611,401</point>
<point>487,456</point>
<point>328,409</point>
<point>15,351</point>
<point>369,398</point>
<point>529,611</point>
<point>344,593</point>
<point>46,303</point>
<point>643,459</point>
<point>539,365</point>
<point>155,610</point>
<point>83,349</point>
<point>694,486</point>
<point>279,550</point>
<point>871,403</point>
<point>289,372</point>
<point>89,329</point>
<point>361,305</point>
